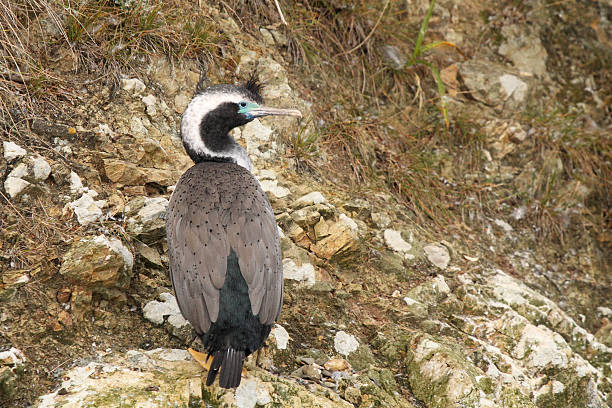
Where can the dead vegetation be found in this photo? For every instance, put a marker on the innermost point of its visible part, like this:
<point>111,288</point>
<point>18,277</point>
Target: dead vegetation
<point>376,128</point>
<point>381,128</point>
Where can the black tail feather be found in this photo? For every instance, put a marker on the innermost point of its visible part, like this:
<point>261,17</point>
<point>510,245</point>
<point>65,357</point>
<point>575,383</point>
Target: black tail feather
<point>230,362</point>
<point>214,367</point>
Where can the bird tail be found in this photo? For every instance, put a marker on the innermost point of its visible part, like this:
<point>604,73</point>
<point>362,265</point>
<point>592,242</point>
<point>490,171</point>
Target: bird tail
<point>229,361</point>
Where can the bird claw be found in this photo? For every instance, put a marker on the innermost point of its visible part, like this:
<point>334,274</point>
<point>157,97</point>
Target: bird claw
<point>203,359</point>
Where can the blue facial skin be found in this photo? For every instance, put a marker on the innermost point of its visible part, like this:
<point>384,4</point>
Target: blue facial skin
<point>246,107</point>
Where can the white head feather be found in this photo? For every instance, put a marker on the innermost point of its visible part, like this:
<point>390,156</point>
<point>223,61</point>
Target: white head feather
<point>195,112</point>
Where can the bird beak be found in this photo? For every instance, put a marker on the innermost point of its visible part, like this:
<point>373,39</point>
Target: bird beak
<point>266,111</point>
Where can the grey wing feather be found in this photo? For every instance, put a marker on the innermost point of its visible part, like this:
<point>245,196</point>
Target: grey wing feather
<point>258,250</point>
<point>230,211</point>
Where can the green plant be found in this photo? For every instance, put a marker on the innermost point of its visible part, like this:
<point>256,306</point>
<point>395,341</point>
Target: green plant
<point>416,58</point>
<point>304,146</point>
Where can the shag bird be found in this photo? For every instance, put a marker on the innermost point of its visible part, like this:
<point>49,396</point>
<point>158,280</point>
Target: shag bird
<point>223,242</point>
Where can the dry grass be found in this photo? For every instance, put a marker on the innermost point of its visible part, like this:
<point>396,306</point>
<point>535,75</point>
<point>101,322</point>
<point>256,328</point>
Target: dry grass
<point>380,127</point>
<point>47,48</point>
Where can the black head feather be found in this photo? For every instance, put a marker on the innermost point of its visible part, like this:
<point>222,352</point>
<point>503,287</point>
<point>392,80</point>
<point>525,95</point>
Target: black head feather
<point>253,87</point>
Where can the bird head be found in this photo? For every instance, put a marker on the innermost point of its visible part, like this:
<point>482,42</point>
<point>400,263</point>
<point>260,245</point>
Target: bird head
<point>216,110</point>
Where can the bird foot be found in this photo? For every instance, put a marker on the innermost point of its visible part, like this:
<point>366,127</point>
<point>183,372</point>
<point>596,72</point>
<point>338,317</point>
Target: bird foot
<point>205,360</point>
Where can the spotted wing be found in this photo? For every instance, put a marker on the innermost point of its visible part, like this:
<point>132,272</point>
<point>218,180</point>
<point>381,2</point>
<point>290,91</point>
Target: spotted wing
<point>215,207</point>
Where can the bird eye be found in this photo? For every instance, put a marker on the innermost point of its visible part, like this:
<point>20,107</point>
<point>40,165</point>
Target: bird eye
<point>242,104</point>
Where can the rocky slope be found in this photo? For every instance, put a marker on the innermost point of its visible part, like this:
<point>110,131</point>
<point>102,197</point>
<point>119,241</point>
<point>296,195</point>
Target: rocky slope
<point>379,309</point>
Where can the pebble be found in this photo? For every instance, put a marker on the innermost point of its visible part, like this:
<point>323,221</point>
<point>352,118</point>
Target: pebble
<point>155,311</point>
<point>133,85</point>
<point>14,186</point>
<point>394,240</point>
<point>41,169</point>
<point>12,151</point>
<point>437,255</point>
<point>304,273</point>
<point>312,198</point>
<point>281,336</point>
<point>345,343</point>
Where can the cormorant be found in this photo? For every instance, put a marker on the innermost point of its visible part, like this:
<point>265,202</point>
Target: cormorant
<point>223,242</point>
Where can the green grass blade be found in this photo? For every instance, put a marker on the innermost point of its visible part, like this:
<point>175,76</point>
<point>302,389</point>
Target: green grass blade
<point>419,43</point>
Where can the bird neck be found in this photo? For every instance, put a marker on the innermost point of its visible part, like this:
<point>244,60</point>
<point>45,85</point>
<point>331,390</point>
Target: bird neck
<point>207,139</point>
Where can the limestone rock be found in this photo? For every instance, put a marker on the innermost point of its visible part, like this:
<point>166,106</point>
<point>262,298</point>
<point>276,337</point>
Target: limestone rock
<point>86,208</point>
<point>12,151</point>
<point>251,392</point>
<point>437,255</point>
<point>11,364</point>
<point>127,377</point>
<point>280,336</point>
<point>272,187</point>
<point>524,49</point>
<point>394,240</point>
<point>76,185</point>
<point>149,222</point>
<point>123,172</point>
<point>309,199</point>
<point>133,85</point>
<point>345,343</point>
<point>14,186</point>
<point>304,273</point>
<point>342,241</point>
<point>41,168</point>
<point>98,262</point>
<point>495,84</point>
<point>158,312</point>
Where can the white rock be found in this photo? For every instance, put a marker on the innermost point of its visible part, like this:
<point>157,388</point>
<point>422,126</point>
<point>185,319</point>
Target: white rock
<point>181,101</point>
<point>255,133</point>
<point>312,198</point>
<point>12,151</point>
<point>540,347</point>
<point>513,87</point>
<point>41,168</point>
<point>410,301</point>
<point>155,311</point>
<point>105,129</point>
<point>437,255</point>
<point>503,225</point>
<point>20,171</point>
<point>86,208</point>
<point>137,127</point>
<point>153,208</point>
<point>14,185</point>
<point>344,219</point>
<point>424,348</point>
<point>281,336</point>
<point>169,354</point>
<point>519,213</point>
<point>150,102</point>
<point>345,343</point>
<point>381,219</point>
<point>604,311</point>
<point>304,273</point>
<point>133,85</point>
<point>251,393</point>
<point>76,185</point>
<point>265,174</point>
<point>13,356</point>
<point>394,240</point>
<point>440,285</point>
<point>272,187</point>
<point>117,246</point>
